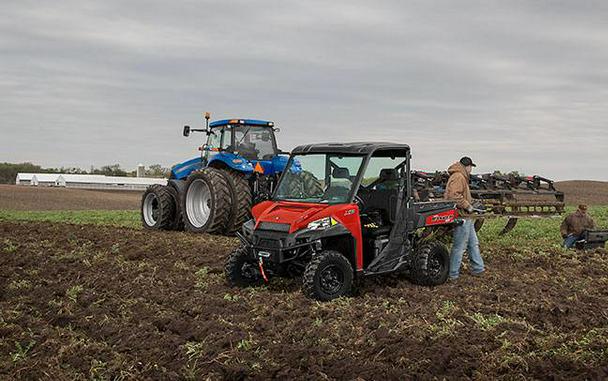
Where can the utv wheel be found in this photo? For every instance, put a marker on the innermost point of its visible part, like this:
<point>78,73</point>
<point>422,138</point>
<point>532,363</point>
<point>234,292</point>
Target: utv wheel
<point>206,202</point>
<point>240,200</point>
<point>431,264</point>
<point>158,208</point>
<point>328,275</point>
<point>242,270</point>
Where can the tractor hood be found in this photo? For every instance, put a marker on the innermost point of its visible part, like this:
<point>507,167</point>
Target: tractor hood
<point>295,214</point>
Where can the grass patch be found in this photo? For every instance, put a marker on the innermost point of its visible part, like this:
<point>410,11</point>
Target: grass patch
<point>538,234</point>
<point>123,218</point>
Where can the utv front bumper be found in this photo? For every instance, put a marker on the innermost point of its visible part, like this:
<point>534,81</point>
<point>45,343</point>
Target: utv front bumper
<point>274,244</point>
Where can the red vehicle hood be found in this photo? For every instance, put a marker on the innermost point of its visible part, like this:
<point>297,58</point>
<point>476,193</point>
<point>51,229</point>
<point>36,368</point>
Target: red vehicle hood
<point>296,214</point>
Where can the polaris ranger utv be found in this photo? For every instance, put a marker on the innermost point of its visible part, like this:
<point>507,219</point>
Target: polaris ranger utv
<point>357,218</point>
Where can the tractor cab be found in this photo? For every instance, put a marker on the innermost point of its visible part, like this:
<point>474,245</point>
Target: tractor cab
<point>247,146</point>
<point>248,138</point>
<point>341,211</point>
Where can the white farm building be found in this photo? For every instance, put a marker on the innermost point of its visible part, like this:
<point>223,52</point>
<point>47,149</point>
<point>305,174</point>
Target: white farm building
<point>87,181</point>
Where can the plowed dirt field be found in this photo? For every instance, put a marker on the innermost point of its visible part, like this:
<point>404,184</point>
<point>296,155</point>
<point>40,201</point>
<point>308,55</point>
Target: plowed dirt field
<point>97,302</point>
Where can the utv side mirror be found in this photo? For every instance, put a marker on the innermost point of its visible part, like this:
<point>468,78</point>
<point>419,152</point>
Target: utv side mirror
<point>276,129</point>
<point>186,131</point>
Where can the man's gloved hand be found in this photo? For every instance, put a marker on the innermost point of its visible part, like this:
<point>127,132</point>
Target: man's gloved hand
<point>479,207</point>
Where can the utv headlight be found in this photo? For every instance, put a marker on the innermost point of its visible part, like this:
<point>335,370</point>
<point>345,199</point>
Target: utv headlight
<point>321,224</point>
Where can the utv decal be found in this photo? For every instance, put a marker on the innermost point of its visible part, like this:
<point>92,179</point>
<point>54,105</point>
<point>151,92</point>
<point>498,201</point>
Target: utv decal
<point>441,218</point>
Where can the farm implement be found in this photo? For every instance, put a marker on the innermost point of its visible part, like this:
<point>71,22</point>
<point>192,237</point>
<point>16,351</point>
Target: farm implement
<point>499,195</point>
<point>239,165</point>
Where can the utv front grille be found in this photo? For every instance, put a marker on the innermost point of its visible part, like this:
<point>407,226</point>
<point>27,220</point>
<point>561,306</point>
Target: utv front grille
<point>269,243</point>
<point>273,226</point>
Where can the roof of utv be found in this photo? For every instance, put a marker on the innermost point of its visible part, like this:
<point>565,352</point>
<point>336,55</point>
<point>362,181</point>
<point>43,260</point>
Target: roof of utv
<point>362,148</point>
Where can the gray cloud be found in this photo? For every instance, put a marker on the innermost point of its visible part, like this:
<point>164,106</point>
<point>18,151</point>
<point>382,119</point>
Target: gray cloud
<point>517,85</point>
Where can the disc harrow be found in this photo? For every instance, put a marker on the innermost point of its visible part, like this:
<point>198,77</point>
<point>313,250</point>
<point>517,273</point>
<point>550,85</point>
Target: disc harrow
<point>510,196</point>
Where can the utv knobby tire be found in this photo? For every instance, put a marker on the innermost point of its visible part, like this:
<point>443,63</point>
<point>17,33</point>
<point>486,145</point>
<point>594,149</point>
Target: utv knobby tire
<point>241,270</point>
<point>240,200</point>
<point>158,208</point>
<point>431,264</point>
<point>207,187</point>
<point>320,268</point>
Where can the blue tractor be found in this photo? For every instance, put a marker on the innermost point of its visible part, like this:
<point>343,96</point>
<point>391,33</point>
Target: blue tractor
<point>239,165</point>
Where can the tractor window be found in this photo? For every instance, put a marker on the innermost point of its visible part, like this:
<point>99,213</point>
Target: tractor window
<point>226,140</point>
<point>215,138</point>
<point>254,143</point>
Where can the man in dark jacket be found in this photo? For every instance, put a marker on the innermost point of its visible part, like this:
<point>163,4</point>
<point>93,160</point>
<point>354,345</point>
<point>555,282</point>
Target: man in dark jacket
<point>465,236</point>
<point>575,225</point>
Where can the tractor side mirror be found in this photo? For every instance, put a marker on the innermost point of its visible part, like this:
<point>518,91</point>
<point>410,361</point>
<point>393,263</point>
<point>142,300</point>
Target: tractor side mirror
<point>186,131</point>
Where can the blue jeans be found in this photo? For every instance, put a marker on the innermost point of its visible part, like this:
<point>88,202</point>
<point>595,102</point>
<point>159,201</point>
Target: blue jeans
<point>465,238</point>
<point>570,240</point>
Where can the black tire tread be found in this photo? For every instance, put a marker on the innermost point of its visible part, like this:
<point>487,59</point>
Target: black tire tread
<point>310,182</point>
<point>232,269</point>
<point>419,272</point>
<point>178,222</point>
<point>167,204</point>
<point>241,200</point>
<point>221,200</point>
<point>308,279</point>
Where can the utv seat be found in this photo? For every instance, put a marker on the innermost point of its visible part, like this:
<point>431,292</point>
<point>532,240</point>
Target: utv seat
<point>383,198</point>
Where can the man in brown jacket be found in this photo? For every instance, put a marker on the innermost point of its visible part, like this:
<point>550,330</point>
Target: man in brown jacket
<point>465,236</point>
<point>575,225</point>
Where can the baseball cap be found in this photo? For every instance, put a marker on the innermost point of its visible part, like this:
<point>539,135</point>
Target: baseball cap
<point>466,161</point>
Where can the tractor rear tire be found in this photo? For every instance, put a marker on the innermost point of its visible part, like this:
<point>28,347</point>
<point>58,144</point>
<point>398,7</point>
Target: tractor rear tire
<point>327,276</point>
<point>206,202</point>
<point>240,200</point>
<point>178,221</point>
<point>305,185</point>
<point>158,208</point>
<point>311,183</point>
<point>241,270</point>
<point>431,264</point>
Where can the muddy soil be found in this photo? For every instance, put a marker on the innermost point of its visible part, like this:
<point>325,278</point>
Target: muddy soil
<point>20,197</point>
<point>584,191</point>
<point>80,302</point>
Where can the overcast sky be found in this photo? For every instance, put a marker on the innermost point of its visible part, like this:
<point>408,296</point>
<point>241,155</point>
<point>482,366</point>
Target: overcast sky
<point>515,85</point>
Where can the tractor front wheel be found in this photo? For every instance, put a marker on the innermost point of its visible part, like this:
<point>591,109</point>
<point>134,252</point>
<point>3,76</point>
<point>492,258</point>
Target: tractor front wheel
<point>327,276</point>
<point>431,264</point>
<point>241,270</point>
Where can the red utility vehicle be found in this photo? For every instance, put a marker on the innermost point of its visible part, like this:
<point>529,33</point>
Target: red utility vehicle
<point>341,212</point>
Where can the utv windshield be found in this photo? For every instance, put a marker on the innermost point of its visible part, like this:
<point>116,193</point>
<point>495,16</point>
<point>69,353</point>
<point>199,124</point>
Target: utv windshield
<point>319,178</point>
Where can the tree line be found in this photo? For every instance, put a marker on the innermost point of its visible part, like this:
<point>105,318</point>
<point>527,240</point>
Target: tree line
<point>8,171</point>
